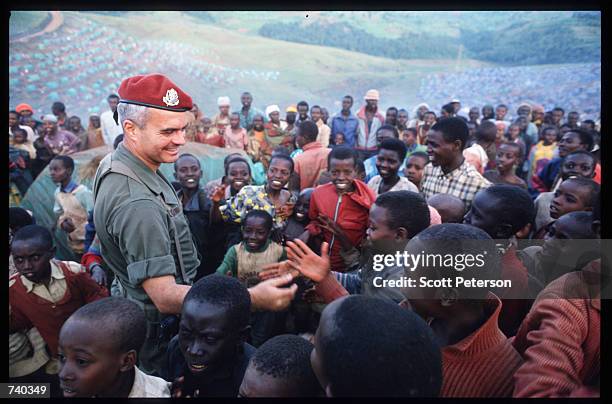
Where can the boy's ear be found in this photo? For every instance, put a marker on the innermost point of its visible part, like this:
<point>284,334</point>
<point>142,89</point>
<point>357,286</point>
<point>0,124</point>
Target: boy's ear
<point>128,360</point>
<point>457,144</point>
<point>401,233</point>
<point>524,232</point>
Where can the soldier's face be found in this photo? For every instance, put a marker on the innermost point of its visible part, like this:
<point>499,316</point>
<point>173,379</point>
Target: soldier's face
<point>161,137</point>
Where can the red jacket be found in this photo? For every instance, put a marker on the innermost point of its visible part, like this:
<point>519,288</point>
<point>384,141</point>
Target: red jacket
<point>29,310</point>
<point>560,339</point>
<point>352,216</point>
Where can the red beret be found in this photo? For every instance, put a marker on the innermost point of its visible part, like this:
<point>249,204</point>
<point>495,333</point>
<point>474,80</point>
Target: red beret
<point>154,91</point>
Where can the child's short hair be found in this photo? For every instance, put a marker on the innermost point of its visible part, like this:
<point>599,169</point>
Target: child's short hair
<point>235,159</point>
<point>450,207</point>
<point>309,130</point>
<point>583,153</point>
<point>395,145</point>
<point>225,291</point>
<point>67,161</point>
<point>187,155</point>
<point>262,214</point>
<point>453,129</point>
<point>389,128</point>
<point>514,205</point>
<point>121,317</point>
<point>19,217</point>
<point>280,150</point>
<point>586,138</point>
<point>34,232</point>
<point>411,130</point>
<point>594,189</point>
<point>400,359</point>
<point>229,157</point>
<point>517,147</point>
<point>420,154</point>
<point>487,131</point>
<point>414,220</point>
<point>288,357</point>
<point>341,152</point>
<point>284,157</point>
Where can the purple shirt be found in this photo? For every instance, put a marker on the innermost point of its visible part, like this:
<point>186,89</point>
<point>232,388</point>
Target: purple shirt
<point>62,143</point>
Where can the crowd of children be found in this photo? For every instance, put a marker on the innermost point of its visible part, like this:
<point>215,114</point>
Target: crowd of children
<point>527,195</point>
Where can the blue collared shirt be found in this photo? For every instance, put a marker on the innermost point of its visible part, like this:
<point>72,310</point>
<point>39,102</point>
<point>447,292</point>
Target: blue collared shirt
<point>347,125</point>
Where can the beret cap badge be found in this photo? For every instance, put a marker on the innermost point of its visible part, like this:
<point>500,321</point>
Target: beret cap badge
<point>171,98</point>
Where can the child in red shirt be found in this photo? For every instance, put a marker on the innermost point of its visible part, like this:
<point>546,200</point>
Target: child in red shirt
<point>346,202</point>
<point>45,291</point>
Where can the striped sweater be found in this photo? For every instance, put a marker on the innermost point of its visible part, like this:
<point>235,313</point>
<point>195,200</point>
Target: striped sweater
<point>482,364</point>
<point>560,339</point>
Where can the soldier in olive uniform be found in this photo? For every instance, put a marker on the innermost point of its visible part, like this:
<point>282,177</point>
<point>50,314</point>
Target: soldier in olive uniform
<point>144,235</point>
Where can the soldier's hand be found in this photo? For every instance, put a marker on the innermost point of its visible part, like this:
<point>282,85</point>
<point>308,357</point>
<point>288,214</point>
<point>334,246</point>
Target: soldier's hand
<point>271,295</point>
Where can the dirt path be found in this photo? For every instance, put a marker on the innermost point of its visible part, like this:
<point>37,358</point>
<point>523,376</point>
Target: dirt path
<point>57,19</point>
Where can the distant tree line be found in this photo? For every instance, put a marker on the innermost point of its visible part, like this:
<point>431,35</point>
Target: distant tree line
<point>519,43</point>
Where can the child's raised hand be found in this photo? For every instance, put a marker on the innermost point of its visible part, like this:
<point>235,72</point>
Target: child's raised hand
<point>302,258</point>
<point>326,223</point>
<point>219,193</point>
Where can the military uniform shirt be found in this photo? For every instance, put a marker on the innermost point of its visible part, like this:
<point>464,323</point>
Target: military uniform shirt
<point>134,229</point>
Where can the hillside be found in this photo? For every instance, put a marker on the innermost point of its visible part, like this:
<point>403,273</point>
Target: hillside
<point>509,38</point>
<point>274,71</point>
<point>213,53</point>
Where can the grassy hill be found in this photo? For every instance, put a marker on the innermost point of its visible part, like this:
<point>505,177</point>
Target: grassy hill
<point>214,53</point>
<point>510,38</point>
<point>319,74</point>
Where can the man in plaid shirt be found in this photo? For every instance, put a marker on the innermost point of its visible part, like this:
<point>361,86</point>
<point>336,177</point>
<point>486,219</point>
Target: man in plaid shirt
<point>448,172</point>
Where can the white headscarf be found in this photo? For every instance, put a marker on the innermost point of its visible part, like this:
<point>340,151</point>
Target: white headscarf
<point>272,108</point>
